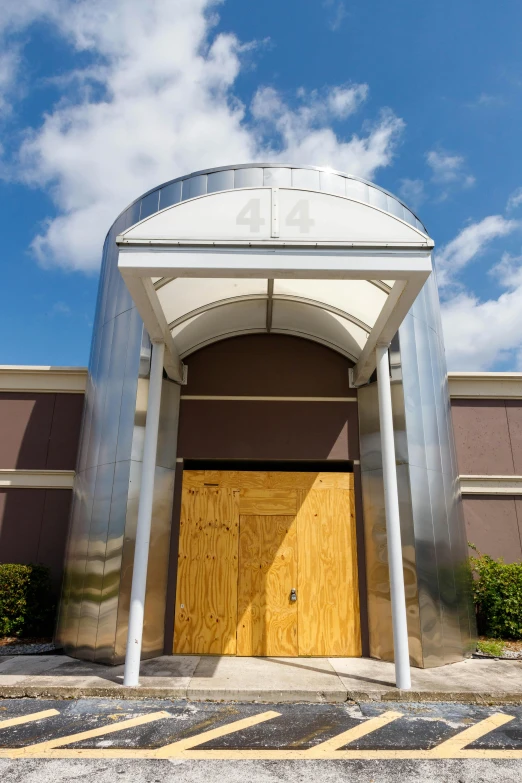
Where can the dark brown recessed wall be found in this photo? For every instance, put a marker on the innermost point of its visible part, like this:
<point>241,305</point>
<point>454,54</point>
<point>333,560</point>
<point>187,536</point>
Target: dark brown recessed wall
<point>488,440</point>
<point>268,366</point>
<point>38,431</point>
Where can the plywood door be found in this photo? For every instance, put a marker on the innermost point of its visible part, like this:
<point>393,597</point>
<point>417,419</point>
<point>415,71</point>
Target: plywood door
<point>328,595</point>
<point>206,594</point>
<point>267,618</point>
<point>286,530</point>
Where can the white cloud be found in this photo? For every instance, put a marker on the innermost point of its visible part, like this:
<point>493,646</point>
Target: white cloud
<point>336,13</point>
<point>480,334</point>
<point>448,169</point>
<point>303,136</point>
<point>515,200</point>
<point>468,244</point>
<point>412,191</point>
<point>486,100</point>
<point>14,18</point>
<point>158,101</point>
<point>9,61</point>
<point>445,167</point>
<point>508,271</point>
<point>345,100</point>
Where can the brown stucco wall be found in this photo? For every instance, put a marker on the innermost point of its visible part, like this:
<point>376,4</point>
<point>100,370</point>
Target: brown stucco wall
<point>33,528</point>
<point>488,440</point>
<point>38,431</point>
<point>482,436</point>
<point>494,525</point>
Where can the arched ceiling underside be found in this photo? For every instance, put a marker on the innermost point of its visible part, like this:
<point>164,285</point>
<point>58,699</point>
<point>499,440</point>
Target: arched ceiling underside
<point>339,313</point>
<point>272,259</point>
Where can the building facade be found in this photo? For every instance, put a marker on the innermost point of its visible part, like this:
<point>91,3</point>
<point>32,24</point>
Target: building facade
<point>268,527</point>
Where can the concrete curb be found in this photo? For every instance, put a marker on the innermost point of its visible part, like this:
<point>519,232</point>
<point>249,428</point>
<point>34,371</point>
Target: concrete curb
<point>62,692</point>
<point>276,696</point>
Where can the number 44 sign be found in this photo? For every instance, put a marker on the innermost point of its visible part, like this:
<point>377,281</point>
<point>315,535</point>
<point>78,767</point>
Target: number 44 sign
<point>298,216</point>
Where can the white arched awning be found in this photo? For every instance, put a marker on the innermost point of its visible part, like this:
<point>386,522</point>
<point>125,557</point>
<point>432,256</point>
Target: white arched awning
<point>274,259</point>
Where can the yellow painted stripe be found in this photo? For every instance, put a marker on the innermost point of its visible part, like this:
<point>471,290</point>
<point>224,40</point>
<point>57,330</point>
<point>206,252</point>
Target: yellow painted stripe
<point>261,754</point>
<point>40,747</point>
<point>27,718</point>
<point>459,741</point>
<point>350,735</point>
<point>190,742</point>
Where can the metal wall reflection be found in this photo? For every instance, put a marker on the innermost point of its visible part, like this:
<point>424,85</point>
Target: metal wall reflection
<point>378,580</point>
<point>98,570</point>
<point>441,620</point>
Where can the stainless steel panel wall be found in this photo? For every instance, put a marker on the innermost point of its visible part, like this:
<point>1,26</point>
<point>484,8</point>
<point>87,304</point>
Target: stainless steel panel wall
<point>278,177</point>
<point>377,575</point>
<point>158,563</point>
<point>96,591</point>
<point>76,553</point>
<point>434,543</point>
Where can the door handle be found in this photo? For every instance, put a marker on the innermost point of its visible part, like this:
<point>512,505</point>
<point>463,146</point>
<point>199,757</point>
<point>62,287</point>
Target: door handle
<point>293,594</point>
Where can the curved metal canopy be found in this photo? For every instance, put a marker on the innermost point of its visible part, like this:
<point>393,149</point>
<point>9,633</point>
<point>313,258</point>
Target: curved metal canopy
<point>259,209</point>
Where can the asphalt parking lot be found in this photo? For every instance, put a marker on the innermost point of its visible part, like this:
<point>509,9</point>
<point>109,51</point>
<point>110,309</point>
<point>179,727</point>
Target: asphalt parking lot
<point>107,728</point>
<point>162,741</point>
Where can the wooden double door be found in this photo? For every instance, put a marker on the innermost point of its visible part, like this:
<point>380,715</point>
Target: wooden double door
<point>267,565</point>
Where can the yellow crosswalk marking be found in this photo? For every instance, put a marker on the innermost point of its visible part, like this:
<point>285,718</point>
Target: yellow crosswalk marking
<point>222,731</point>
<point>40,747</point>
<point>365,727</point>
<point>188,748</point>
<point>27,718</point>
<point>459,741</point>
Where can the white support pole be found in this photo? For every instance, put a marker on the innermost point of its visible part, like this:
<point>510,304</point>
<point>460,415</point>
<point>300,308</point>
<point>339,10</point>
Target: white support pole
<point>393,525</point>
<point>141,552</point>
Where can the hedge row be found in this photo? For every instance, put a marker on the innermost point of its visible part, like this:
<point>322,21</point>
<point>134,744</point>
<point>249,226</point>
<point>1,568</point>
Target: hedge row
<point>27,606</point>
<point>497,590</point>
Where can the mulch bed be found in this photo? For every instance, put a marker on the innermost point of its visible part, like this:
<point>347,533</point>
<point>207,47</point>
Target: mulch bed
<point>12,645</point>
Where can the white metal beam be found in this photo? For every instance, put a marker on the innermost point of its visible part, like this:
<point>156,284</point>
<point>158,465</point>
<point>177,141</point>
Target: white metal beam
<point>149,307</point>
<point>141,550</point>
<point>320,264</point>
<point>393,523</point>
<point>399,301</point>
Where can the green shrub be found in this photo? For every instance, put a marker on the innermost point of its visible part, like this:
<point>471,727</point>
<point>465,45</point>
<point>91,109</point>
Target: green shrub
<point>497,590</point>
<point>27,607</point>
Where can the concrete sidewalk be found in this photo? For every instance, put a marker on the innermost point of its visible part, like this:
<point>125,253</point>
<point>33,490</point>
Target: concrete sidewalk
<point>261,679</point>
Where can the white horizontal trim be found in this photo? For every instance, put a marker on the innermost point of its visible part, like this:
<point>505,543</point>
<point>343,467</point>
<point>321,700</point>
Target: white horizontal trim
<point>318,264</point>
<point>27,378</point>
<point>491,485</point>
<point>36,479</point>
<point>485,385</point>
<point>266,399</point>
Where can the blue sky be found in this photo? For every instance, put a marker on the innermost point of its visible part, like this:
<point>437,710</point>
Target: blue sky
<point>102,99</point>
